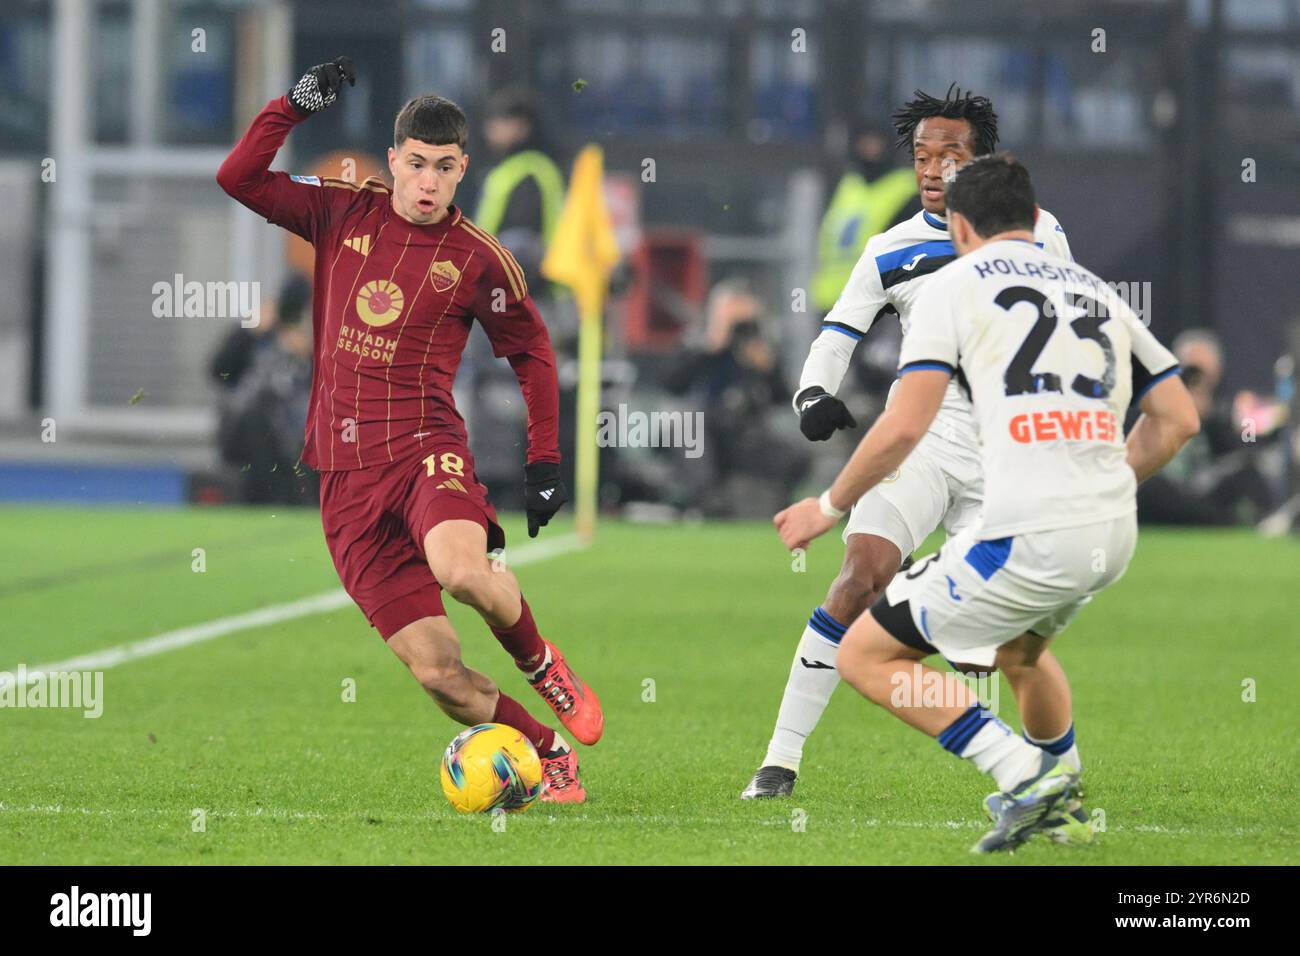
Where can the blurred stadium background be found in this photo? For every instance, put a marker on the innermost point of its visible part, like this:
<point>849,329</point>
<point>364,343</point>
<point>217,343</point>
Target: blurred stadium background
<point>1172,158</point>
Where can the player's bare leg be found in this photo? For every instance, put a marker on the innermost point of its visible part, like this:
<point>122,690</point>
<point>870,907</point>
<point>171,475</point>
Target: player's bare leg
<point>884,671</point>
<point>431,651</point>
<point>457,555</point>
<point>1034,787</point>
<point>1043,695</point>
<point>870,563</point>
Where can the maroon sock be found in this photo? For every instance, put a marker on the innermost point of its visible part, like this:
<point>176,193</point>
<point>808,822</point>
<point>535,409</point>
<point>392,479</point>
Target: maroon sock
<point>521,640</point>
<point>511,713</point>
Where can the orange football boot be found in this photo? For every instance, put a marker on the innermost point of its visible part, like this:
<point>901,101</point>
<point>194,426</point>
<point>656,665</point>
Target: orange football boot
<point>574,702</point>
<point>560,776</point>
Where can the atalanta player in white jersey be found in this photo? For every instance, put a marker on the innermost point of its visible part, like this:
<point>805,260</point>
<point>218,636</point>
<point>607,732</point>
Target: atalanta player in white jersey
<point>1051,359</point>
<point>940,483</point>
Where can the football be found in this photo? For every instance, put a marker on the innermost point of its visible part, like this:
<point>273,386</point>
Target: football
<point>489,766</point>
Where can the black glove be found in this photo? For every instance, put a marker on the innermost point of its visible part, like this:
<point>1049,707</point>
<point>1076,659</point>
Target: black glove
<point>544,493</point>
<point>822,414</point>
<point>319,86</point>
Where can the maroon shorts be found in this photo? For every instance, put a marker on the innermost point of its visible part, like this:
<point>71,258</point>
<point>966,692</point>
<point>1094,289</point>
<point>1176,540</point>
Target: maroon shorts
<point>375,520</point>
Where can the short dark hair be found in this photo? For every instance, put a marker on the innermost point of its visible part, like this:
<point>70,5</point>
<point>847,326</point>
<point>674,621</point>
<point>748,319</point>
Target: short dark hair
<point>431,119</point>
<point>975,110</point>
<point>994,194</point>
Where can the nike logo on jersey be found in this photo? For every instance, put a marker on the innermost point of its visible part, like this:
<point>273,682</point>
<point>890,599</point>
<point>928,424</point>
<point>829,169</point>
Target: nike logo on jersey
<point>952,588</point>
<point>816,665</point>
<point>917,258</point>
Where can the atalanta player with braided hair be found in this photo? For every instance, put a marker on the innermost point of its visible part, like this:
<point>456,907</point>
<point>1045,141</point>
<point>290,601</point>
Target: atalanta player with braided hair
<point>940,484</point>
<point>400,276</point>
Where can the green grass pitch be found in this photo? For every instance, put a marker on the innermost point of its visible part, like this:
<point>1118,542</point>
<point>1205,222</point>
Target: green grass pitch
<point>252,728</point>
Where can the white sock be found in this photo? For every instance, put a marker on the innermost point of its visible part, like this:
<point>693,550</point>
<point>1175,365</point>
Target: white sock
<point>988,743</point>
<point>546,662</point>
<point>1063,747</point>
<point>1072,757</point>
<point>807,692</point>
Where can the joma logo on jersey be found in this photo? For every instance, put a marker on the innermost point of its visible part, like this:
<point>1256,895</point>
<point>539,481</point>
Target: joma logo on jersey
<point>443,275</point>
<point>1096,425</point>
<point>379,302</point>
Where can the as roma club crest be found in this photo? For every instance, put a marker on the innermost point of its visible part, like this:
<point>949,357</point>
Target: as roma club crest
<point>379,302</point>
<point>443,275</point>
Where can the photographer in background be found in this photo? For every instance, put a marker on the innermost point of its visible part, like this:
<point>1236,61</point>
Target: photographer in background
<point>754,453</point>
<point>1215,479</point>
<point>264,409</point>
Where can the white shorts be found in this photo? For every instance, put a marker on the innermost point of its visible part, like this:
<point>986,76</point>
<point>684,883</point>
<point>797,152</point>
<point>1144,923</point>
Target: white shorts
<point>938,484</point>
<point>972,596</point>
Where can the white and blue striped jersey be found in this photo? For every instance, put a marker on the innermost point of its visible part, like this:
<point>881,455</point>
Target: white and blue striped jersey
<point>891,273</point>
<point>1051,357</point>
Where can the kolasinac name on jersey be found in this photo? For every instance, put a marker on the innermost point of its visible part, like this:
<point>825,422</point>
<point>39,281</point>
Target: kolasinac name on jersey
<point>1051,357</point>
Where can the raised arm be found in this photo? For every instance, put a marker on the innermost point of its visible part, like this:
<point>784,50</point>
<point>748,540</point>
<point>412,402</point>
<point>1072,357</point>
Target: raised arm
<point>295,202</point>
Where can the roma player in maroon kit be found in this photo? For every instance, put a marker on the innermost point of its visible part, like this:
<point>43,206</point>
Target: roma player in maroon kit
<point>400,276</point>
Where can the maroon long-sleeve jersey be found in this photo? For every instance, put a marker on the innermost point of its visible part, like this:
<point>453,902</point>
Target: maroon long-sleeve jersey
<point>392,307</point>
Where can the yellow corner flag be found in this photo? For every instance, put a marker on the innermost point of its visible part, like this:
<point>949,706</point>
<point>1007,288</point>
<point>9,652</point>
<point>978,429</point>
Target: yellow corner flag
<point>583,250</point>
<point>581,255</point>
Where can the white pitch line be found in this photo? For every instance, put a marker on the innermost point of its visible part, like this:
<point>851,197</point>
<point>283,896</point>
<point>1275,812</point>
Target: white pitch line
<point>638,820</point>
<point>272,614</point>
